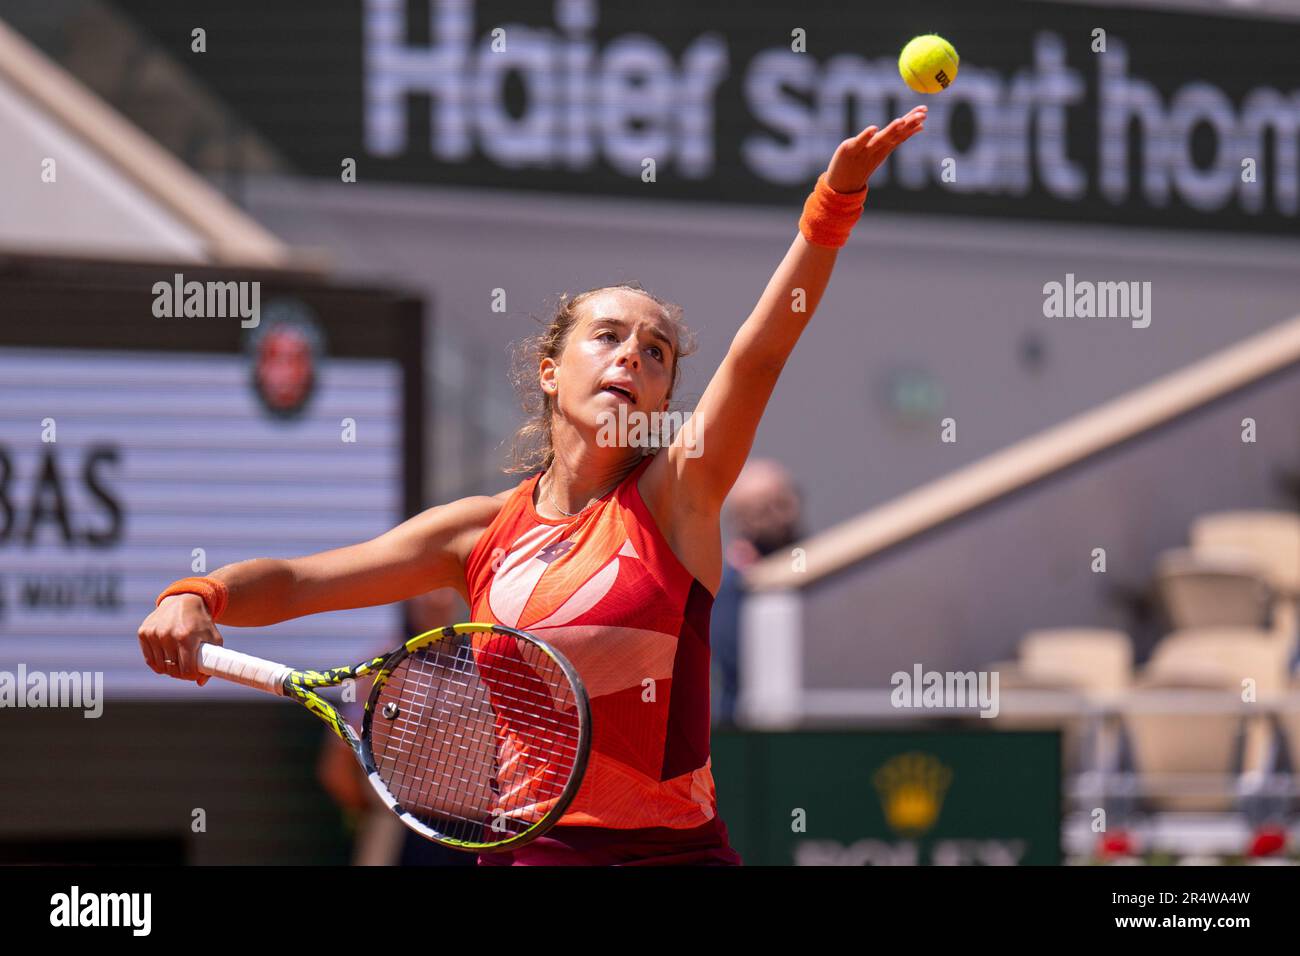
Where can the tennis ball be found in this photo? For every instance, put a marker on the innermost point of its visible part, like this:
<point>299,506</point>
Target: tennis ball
<point>928,64</point>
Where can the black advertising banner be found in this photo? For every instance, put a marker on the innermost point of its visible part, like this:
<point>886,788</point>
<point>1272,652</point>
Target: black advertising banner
<point>1060,111</point>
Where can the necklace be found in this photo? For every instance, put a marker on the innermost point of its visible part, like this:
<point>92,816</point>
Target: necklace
<point>551,498</point>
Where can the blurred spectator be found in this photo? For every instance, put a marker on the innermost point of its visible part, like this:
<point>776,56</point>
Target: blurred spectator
<point>763,514</point>
<point>380,838</point>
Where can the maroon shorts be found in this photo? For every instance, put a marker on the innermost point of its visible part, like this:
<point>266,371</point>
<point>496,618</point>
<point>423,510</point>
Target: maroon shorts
<point>706,845</point>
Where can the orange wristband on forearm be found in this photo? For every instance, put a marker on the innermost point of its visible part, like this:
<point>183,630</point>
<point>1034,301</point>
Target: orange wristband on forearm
<point>214,593</point>
<point>829,216</point>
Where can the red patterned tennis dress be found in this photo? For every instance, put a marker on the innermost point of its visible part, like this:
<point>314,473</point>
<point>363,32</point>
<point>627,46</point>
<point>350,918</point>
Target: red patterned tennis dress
<point>606,590</point>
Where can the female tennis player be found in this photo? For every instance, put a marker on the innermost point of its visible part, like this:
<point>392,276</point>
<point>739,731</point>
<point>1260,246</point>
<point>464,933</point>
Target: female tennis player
<point>611,553</point>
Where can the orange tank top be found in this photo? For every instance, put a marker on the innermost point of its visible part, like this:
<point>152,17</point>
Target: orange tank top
<point>606,590</point>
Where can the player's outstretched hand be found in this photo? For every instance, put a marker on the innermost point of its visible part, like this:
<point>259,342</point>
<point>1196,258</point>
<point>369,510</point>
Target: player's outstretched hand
<point>859,156</point>
<point>171,635</point>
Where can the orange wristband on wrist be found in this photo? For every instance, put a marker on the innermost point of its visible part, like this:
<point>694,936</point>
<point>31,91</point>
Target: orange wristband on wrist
<point>829,216</point>
<point>214,593</point>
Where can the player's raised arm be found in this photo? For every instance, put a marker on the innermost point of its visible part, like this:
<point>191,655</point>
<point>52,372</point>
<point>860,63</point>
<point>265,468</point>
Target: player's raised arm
<point>421,554</point>
<point>708,454</point>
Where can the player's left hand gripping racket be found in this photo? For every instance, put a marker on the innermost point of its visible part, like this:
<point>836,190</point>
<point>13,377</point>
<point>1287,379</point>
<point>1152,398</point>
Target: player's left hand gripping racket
<point>475,735</point>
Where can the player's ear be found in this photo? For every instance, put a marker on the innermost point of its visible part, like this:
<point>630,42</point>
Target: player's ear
<point>547,375</point>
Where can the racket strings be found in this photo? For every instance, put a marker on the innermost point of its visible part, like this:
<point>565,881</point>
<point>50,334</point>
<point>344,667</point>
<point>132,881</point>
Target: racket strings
<point>485,737</point>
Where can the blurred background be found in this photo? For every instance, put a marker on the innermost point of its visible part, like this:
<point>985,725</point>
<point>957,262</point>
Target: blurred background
<point>1095,518</point>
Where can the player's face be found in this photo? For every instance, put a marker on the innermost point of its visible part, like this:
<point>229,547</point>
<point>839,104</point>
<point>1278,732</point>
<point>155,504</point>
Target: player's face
<point>620,352</point>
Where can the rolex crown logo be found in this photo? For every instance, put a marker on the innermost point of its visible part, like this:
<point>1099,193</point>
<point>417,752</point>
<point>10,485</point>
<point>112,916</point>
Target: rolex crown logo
<point>911,788</point>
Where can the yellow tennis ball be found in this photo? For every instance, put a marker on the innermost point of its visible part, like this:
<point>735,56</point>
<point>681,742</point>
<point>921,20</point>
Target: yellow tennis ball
<point>928,64</point>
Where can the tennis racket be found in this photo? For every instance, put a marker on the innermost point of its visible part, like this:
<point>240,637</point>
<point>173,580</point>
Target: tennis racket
<point>475,735</point>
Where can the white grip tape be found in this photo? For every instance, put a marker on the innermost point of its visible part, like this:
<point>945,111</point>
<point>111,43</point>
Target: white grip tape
<point>243,668</point>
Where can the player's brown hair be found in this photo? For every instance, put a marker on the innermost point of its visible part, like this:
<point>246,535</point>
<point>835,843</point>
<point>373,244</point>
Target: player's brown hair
<point>531,449</point>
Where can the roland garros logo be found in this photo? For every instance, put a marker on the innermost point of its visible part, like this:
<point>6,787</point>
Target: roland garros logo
<point>284,356</point>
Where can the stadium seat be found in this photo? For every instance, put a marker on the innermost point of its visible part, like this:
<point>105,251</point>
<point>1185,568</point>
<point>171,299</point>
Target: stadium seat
<point>1225,655</point>
<point>1081,665</point>
<point>1271,537</point>
<point>1171,746</point>
<point>1213,588</point>
<point>1093,660</point>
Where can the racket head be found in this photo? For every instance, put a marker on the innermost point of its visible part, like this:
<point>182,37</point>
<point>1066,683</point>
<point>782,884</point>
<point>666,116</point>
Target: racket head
<point>476,736</point>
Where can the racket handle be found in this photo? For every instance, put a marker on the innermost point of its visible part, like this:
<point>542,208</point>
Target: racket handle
<point>243,668</point>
